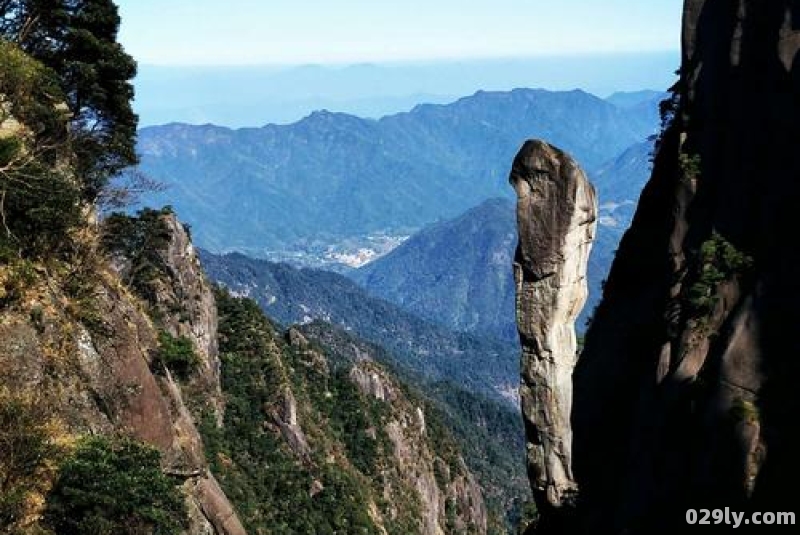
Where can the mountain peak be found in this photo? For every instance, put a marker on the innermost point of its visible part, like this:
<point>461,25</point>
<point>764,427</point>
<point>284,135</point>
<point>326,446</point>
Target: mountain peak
<point>334,176</point>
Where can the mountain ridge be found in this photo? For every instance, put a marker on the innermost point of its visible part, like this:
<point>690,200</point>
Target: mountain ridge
<point>291,295</point>
<point>305,185</point>
<point>286,93</point>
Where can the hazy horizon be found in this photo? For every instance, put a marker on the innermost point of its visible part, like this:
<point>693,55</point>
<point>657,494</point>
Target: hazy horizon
<point>252,96</point>
<point>253,62</point>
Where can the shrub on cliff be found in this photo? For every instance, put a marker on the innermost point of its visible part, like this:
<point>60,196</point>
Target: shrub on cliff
<point>28,454</point>
<point>140,240</point>
<point>718,260</point>
<point>114,487</point>
<point>175,354</point>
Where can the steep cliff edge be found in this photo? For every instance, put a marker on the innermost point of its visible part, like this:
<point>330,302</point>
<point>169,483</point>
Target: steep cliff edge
<point>74,331</point>
<point>557,220</point>
<point>683,393</point>
<point>158,262</point>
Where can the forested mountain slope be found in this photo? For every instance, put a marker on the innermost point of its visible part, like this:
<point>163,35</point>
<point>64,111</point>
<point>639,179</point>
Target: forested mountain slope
<point>332,175</point>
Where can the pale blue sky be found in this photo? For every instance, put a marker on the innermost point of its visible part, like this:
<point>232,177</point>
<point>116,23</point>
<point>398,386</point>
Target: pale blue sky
<point>237,32</point>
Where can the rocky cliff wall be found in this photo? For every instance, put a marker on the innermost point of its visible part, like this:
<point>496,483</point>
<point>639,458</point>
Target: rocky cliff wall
<point>418,468</point>
<point>683,393</point>
<point>92,353</point>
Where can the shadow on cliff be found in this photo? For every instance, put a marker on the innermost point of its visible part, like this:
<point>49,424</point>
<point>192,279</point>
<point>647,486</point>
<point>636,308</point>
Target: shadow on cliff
<point>648,449</point>
<point>779,301</point>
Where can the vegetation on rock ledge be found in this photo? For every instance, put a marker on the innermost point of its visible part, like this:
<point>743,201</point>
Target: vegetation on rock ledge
<point>114,487</point>
<point>718,260</point>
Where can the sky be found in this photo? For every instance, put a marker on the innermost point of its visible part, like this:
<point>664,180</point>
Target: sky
<point>292,32</point>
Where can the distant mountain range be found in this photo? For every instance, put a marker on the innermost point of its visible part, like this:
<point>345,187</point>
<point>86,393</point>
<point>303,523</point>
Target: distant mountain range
<point>621,180</point>
<point>254,95</point>
<point>630,99</point>
<point>290,296</point>
<point>443,301</point>
<point>333,176</point>
<point>446,295</point>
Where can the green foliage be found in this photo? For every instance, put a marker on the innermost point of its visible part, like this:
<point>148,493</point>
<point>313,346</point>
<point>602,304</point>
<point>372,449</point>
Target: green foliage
<point>668,113</point>
<point>27,451</point>
<point>350,462</point>
<point>356,420</point>
<point>15,278</point>
<point>690,165</point>
<point>450,512</point>
<point>77,40</point>
<point>39,211</point>
<point>112,487</point>
<point>490,437</point>
<point>527,516</point>
<point>37,317</point>
<point>140,240</point>
<point>39,199</point>
<point>351,416</point>
<point>175,354</point>
<point>459,422</point>
<point>718,261</point>
<point>746,411</point>
<point>31,95</point>
<point>268,483</point>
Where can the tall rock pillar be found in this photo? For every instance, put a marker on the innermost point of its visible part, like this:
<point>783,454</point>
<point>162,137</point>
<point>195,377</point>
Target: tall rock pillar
<point>556,216</point>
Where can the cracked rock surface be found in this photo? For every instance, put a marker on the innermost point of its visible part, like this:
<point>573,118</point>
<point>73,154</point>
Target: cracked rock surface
<point>556,215</point>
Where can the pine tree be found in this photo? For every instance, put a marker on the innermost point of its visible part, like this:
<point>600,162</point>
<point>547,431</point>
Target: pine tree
<point>77,39</point>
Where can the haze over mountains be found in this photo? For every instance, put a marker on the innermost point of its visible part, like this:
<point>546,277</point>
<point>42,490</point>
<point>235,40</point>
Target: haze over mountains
<point>329,185</point>
<point>333,177</point>
<point>284,94</point>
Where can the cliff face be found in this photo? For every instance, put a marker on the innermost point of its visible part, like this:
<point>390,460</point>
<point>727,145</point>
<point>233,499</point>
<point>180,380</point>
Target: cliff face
<point>129,339</point>
<point>683,393</point>
<point>318,439</point>
<point>450,500</point>
<point>423,485</point>
<point>557,219</point>
<point>92,351</point>
<point>183,305</point>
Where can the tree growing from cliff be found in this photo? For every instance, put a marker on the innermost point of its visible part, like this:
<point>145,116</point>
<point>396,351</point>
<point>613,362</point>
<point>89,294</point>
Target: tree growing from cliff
<point>77,39</point>
<point>39,199</point>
